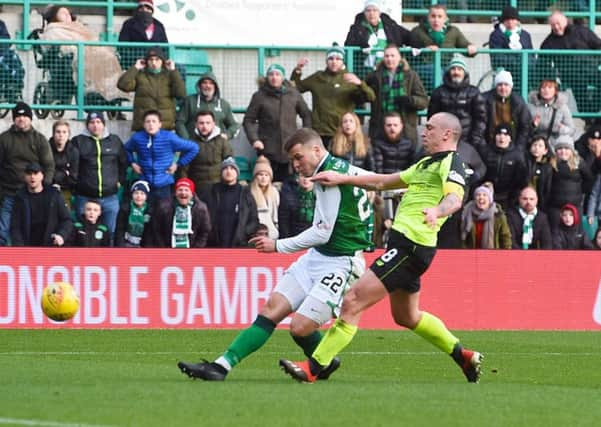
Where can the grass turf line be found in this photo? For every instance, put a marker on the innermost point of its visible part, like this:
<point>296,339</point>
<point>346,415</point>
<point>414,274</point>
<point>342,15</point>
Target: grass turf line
<point>130,378</point>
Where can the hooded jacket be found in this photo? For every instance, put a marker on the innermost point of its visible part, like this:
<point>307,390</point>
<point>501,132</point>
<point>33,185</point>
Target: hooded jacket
<point>102,164</point>
<point>572,237</point>
<point>153,92</point>
<point>555,116</point>
<point>192,104</point>
<point>464,101</point>
<point>271,118</point>
<point>520,118</point>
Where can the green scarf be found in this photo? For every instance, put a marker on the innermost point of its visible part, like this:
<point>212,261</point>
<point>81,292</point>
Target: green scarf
<point>377,42</point>
<point>135,224</point>
<point>392,89</point>
<point>437,36</point>
<point>182,226</point>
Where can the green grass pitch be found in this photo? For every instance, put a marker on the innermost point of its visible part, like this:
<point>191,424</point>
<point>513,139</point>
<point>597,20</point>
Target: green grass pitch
<point>129,378</point>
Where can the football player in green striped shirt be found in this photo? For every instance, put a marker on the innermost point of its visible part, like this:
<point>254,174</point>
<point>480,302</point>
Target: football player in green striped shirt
<point>314,285</point>
<point>435,187</point>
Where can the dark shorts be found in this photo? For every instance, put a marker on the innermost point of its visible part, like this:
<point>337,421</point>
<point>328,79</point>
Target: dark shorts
<point>404,261</point>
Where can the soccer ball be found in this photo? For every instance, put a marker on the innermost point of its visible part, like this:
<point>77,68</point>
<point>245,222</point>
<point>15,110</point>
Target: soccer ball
<point>60,301</point>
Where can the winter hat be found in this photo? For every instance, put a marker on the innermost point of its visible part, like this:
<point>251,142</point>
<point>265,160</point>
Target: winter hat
<point>155,51</point>
<point>594,132</point>
<point>503,128</point>
<point>335,51</point>
<point>457,61</point>
<point>93,115</point>
<point>504,76</point>
<point>185,182</point>
<point>487,189</point>
<point>149,3</point>
<point>22,109</point>
<point>574,209</point>
<point>509,12</point>
<point>564,141</point>
<point>263,165</point>
<point>33,167</point>
<point>229,161</point>
<point>372,3</point>
<point>275,67</point>
<point>141,185</point>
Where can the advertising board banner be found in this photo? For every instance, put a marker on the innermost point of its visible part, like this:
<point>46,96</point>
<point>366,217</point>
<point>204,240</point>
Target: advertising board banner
<point>224,288</point>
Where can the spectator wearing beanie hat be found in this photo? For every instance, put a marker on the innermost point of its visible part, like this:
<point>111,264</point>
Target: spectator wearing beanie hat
<point>270,118</point>
<point>572,179</point>
<point>156,84</point>
<point>505,106</point>
<point>20,145</point>
<point>266,195</point>
<point>142,27</point>
<point>133,223</point>
<point>334,91</point>
<point>483,222</point>
<point>182,221</point>
<point>233,210</point>
<point>589,147</point>
<point>101,168</point>
<point>509,34</point>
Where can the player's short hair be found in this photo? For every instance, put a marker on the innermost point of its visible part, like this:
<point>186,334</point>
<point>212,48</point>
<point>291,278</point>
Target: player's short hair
<point>304,136</point>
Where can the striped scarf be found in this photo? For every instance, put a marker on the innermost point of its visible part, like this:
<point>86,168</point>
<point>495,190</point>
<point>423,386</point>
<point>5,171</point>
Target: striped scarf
<point>392,88</point>
<point>527,230</point>
<point>182,226</point>
<point>377,42</point>
<point>135,224</point>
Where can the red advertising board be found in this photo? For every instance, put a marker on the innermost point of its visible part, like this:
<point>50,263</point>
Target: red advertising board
<point>152,288</point>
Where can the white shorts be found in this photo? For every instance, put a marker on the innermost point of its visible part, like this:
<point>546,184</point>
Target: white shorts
<point>315,284</point>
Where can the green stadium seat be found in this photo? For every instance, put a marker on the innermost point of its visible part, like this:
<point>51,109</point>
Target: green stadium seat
<point>246,168</point>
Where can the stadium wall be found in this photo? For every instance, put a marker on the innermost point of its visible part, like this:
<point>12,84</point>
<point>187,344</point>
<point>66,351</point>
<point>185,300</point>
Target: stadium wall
<point>154,288</point>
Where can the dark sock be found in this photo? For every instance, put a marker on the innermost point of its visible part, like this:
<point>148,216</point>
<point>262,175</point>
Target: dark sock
<point>456,354</point>
<point>315,367</point>
<point>308,343</point>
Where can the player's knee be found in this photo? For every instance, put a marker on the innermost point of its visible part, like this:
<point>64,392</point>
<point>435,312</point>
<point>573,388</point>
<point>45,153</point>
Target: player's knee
<point>406,320</point>
<point>300,328</point>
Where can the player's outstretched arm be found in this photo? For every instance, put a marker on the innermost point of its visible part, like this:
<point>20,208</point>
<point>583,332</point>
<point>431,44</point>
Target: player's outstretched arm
<point>447,206</point>
<point>372,181</point>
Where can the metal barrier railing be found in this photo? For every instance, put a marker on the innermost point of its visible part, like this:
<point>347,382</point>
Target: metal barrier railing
<point>54,67</point>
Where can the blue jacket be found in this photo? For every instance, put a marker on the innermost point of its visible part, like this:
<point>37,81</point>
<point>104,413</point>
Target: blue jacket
<point>155,154</point>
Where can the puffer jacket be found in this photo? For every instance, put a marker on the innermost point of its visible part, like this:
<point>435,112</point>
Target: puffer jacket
<point>17,149</point>
<point>466,102</point>
<point>271,118</point>
<point>569,186</point>
<point>394,156</point>
<point>562,122</point>
<point>153,92</point>
<point>155,154</point>
<point>104,157</point>
<point>520,117</point>
<point>192,104</point>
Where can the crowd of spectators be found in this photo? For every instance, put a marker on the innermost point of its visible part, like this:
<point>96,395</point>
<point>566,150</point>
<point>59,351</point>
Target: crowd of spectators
<point>175,183</point>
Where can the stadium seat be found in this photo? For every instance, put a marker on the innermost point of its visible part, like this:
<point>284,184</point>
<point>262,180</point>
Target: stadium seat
<point>195,63</point>
<point>246,168</point>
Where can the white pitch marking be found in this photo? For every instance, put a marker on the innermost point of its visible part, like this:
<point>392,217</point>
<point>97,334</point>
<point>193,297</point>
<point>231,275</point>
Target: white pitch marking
<point>353,353</point>
<point>42,423</point>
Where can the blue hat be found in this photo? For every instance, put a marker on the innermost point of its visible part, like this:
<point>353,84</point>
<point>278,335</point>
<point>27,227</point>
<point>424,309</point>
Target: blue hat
<point>141,185</point>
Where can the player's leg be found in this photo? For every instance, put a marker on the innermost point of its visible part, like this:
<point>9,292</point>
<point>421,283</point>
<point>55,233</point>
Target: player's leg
<point>287,296</point>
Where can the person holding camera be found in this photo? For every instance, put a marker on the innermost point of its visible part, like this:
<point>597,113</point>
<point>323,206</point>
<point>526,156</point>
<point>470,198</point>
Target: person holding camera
<point>156,84</point>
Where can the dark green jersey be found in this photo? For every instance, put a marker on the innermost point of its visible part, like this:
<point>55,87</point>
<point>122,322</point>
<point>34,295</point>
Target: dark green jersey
<point>428,182</point>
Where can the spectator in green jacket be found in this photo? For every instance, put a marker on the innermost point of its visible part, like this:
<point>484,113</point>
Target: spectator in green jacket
<point>334,90</point>
<point>156,84</point>
<point>208,98</point>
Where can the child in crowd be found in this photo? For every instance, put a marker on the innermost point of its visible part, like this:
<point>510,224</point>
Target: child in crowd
<point>89,233</point>
<point>266,196</point>
<point>569,234</point>
<point>539,167</point>
<point>133,230</point>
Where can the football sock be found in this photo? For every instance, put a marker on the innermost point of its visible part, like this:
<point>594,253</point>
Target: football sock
<point>249,340</point>
<point>334,341</point>
<point>308,343</point>
<point>433,330</point>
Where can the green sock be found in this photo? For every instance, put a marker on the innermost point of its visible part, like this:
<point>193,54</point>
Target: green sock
<point>308,343</point>
<point>338,336</point>
<point>433,330</point>
<point>249,340</point>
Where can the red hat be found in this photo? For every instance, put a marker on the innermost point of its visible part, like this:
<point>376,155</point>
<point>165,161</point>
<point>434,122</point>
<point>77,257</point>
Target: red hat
<point>149,3</point>
<point>185,182</point>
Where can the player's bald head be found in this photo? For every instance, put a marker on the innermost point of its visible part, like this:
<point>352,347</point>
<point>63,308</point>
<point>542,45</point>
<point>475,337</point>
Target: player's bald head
<point>451,122</point>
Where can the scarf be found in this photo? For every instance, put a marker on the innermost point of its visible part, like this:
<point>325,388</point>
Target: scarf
<point>527,227</point>
<point>135,224</point>
<point>512,36</point>
<point>437,36</point>
<point>182,226</point>
<point>377,42</point>
<point>392,88</point>
<point>472,213</point>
